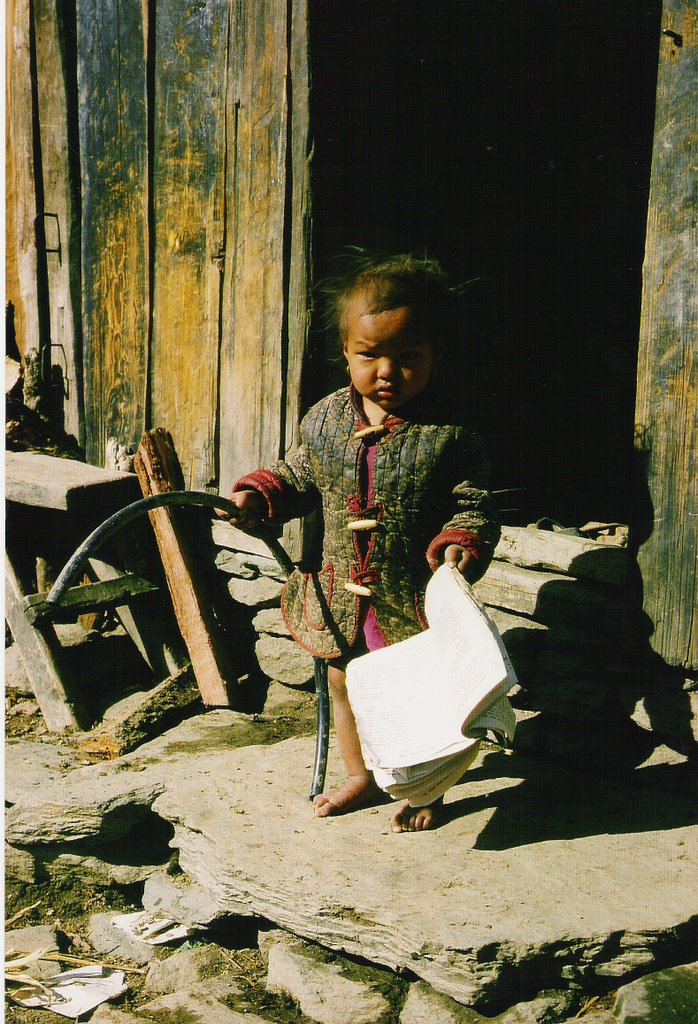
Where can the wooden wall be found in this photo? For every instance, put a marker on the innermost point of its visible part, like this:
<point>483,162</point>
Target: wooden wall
<point>158,245</point>
<point>158,220</point>
<point>667,395</point>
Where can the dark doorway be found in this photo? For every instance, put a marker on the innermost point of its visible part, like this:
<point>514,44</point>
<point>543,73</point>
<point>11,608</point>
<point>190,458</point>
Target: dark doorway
<point>512,140</point>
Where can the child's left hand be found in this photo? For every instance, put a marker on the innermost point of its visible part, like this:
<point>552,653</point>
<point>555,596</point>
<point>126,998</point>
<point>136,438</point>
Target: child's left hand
<point>461,559</point>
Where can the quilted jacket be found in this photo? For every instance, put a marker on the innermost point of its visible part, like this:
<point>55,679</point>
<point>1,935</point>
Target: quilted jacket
<point>428,492</point>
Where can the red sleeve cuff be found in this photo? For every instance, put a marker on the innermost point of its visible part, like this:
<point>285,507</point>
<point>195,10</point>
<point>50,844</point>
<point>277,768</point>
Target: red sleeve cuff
<point>269,486</point>
<point>474,544</point>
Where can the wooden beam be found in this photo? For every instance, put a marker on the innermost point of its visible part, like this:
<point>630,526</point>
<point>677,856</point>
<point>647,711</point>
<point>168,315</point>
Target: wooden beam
<point>299,232</point>
<point>666,406</point>
<point>553,598</point>
<point>114,169</point>
<point>158,471</point>
<point>564,553</point>
<point>141,716</point>
<point>40,651</point>
<point>44,481</point>
<point>190,68</point>
<point>86,598</point>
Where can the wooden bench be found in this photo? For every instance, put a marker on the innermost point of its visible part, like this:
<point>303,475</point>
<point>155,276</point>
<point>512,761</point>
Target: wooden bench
<point>85,492</point>
<point>72,497</point>
<point>44,481</point>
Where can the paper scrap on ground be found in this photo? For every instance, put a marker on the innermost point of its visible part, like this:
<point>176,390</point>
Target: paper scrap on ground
<point>73,993</point>
<point>420,703</point>
<point>155,931</point>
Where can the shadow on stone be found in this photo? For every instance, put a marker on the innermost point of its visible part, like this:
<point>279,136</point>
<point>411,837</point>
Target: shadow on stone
<point>552,803</point>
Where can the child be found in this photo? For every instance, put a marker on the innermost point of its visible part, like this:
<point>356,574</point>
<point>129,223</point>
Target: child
<point>399,481</point>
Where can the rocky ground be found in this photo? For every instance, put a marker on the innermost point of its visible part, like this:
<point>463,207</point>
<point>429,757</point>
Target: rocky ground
<point>548,895</point>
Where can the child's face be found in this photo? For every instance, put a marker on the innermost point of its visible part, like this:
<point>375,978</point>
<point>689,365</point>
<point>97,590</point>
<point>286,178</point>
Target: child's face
<point>390,359</point>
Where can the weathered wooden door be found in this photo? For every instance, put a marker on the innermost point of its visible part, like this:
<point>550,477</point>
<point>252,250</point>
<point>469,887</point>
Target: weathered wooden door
<point>115,230</point>
<point>666,385</point>
<point>158,213</point>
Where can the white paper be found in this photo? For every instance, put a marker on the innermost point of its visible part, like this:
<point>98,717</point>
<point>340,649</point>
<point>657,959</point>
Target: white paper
<point>497,717</point>
<point>423,784</point>
<point>414,700</point>
<point>469,648</point>
<point>156,931</point>
<point>75,992</point>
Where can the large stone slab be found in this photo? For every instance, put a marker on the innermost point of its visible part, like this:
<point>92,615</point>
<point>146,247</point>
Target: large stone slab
<point>543,876</point>
<point>539,878</point>
<point>102,803</point>
<point>31,764</point>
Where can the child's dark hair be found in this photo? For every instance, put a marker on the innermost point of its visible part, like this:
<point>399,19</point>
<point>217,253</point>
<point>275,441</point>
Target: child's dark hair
<point>388,283</point>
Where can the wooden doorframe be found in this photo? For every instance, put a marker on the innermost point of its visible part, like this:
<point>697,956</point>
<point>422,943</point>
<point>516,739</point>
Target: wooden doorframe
<point>665,417</point>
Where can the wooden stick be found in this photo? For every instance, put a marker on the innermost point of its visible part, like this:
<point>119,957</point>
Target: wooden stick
<point>158,470</point>
<point>21,913</point>
<point>66,958</point>
<point>86,597</point>
<point>138,719</point>
<point>40,652</point>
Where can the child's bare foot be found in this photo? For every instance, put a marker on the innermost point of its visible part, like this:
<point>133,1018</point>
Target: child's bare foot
<point>357,791</point>
<point>416,819</point>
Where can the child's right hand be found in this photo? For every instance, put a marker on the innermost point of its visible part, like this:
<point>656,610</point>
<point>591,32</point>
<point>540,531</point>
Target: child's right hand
<point>251,509</point>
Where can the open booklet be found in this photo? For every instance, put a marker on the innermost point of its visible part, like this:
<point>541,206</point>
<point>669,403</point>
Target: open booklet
<point>420,702</point>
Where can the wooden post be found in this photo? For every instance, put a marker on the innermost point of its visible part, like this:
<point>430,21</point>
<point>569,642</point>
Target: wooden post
<point>666,383</point>
<point>253,368</point>
<point>114,167</point>
<point>58,213</point>
<point>191,42</point>
<point>40,650</point>
<point>158,471</point>
<point>20,183</point>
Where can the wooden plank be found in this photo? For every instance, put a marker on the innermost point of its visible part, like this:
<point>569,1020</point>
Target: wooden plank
<point>114,171</point>
<point>158,470</point>
<point>40,651</point>
<point>20,187</point>
<point>254,356</point>
<point>141,716</point>
<point>563,553</point>
<point>552,598</point>
<point>62,262</point>
<point>85,598</point>
<point>191,43</point>
<point>48,482</point>
<point>299,231</point>
<point>665,412</point>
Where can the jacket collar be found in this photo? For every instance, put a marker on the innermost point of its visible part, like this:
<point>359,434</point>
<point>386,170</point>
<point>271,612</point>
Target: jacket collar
<point>414,411</point>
